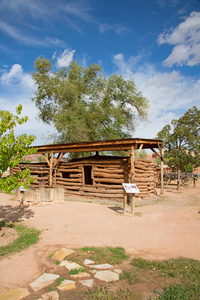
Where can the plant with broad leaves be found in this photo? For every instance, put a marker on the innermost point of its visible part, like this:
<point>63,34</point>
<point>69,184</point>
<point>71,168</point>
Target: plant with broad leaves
<point>12,149</point>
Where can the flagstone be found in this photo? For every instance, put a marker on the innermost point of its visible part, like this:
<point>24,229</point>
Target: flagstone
<point>87,282</point>
<point>50,296</point>
<point>93,271</point>
<point>79,275</point>
<point>15,294</point>
<point>106,275</point>
<point>102,266</point>
<point>62,253</point>
<point>88,262</point>
<point>118,271</point>
<point>70,265</point>
<point>43,281</point>
<point>67,285</point>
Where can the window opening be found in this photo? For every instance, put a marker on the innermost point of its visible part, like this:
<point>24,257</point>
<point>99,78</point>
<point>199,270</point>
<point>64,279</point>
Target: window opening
<point>65,174</point>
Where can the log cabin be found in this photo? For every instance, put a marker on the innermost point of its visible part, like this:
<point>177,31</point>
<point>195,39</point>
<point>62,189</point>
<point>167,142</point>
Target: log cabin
<point>97,175</point>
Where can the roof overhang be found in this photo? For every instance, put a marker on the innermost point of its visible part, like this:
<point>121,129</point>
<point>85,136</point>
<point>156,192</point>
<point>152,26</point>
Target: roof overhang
<point>108,145</point>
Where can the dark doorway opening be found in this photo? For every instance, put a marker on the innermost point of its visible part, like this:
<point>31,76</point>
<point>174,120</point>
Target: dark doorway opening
<point>88,175</point>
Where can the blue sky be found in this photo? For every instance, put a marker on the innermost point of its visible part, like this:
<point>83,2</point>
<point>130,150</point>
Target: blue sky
<point>156,42</point>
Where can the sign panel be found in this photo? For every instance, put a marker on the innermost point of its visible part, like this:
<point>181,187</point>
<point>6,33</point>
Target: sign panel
<point>131,188</point>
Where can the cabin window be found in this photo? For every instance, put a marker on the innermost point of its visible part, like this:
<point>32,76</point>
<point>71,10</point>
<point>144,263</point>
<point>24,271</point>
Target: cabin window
<point>65,174</point>
<point>88,175</point>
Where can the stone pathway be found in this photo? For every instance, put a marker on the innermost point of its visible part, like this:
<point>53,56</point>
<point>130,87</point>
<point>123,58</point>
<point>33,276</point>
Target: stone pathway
<point>104,272</point>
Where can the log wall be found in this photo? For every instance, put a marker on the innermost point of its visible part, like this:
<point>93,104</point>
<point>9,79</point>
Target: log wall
<point>96,177</point>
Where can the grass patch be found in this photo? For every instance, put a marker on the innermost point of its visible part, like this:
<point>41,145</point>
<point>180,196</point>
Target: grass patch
<point>76,271</point>
<point>129,276</point>
<point>27,236</point>
<point>105,294</point>
<point>186,270</point>
<point>179,292</point>
<point>113,255</point>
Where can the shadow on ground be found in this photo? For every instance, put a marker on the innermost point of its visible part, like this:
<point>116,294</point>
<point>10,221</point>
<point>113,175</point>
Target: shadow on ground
<point>9,213</point>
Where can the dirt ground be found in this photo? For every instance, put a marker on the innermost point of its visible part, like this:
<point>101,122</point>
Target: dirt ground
<point>165,227</point>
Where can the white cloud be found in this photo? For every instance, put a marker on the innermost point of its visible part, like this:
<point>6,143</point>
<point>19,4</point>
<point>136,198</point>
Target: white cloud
<point>186,40</point>
<point>65,58</point>
<point>15,88</point>
<point>17,77</point>
<point>170,93</point>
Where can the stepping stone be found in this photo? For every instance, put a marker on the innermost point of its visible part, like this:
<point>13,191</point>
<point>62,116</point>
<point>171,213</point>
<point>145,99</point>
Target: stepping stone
<point>102,266</point>
<point>62,253</point>
<point>67,285</point>
<point>70,265</point>
<point>87,282</point>
<point>43,281</point>
<point>88,262</point>
<point>118,271</point>
<point>50,296</point>
<point>79,275</point>
<point>93,271</point>
<point>15,294</point>
<point>106,276</point>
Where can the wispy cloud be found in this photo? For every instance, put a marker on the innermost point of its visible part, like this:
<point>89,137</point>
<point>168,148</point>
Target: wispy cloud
<point>119,29</point>
<point>170,93</point>
<point>186,40</point>
<point>18,35</point>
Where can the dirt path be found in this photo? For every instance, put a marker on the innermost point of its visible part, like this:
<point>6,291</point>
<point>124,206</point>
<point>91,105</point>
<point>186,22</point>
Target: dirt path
<point>167,228</point>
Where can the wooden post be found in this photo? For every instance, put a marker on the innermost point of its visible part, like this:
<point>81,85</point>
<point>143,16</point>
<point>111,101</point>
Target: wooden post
<point>132,158</point>
<point>194,182</point>
<point>125,202</point>
<point>161,172</point>
<point>51,170</point>
<point>132,204</point>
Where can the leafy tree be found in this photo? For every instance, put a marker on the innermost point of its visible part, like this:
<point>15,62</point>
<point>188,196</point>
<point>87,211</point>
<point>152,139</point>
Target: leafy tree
<point>12,149</point>
<point>84,105</point>
<point>182,141</point>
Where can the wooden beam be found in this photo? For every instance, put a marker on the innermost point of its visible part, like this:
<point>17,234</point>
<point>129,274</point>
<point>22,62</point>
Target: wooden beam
<point>46,158</point>
<point>139,150</point>
<point>157,154</point>
<point>127,152</point>
<point>58,159</point>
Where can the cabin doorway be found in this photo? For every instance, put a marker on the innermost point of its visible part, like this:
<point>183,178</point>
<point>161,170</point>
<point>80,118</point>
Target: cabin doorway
<point>88,175</point>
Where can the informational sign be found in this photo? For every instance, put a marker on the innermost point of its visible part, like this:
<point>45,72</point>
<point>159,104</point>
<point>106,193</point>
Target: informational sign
<point>22,189</point>
<point>131,188</point>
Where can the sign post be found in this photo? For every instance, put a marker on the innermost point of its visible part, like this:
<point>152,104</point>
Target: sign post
<point>130,188</point>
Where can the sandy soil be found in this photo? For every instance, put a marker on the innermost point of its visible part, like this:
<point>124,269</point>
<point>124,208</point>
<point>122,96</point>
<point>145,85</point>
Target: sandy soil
<point>168,227</point>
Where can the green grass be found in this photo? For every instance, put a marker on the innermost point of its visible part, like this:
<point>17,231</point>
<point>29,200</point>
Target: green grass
<point>27,236</point>
<point>129,276</point>
<point>186,270</point>
<point>112,255</point>
<point>105,294</point>
<point>76,271</point>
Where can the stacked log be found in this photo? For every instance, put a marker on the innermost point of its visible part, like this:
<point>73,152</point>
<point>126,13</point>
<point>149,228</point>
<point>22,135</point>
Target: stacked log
<point>106,176</point>
<point>145,177</point>
<point>39,171</point>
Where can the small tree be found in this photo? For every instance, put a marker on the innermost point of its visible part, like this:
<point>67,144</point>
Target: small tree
<point>182,141</point>
<point>12,149</point>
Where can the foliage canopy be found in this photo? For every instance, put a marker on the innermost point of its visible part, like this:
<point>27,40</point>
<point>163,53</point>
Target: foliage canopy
<point>12,149</point>
<point>182,141</point>
<point>84,105</point>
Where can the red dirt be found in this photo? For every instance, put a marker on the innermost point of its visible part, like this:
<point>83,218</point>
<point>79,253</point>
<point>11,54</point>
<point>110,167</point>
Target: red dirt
<point>166,228</point>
